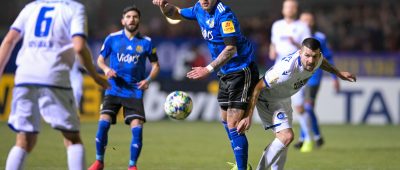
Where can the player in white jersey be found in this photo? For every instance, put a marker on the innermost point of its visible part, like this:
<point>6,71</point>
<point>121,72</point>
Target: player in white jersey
<point>53,33</point>
<point>272,95</point>
<point>286,37</point>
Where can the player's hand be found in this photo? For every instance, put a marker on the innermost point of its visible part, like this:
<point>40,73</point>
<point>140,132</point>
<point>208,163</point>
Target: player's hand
<point>197,73</point>
<point>244,125</point>
<point>143,85</point>
<point>347,76</point>
<point>160,3</point>
<point>336,85</point>
<point>110,73</point>
<point>103,82</point>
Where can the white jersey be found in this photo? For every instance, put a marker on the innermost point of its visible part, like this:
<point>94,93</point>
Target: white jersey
<point>286,78</point>
<point>47,54</point>
<point>281,34</point>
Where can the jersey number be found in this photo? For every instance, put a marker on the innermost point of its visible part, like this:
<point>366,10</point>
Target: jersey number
<point>43,23</point>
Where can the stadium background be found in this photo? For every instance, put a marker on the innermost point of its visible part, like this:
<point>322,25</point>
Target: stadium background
<point>363,35</point>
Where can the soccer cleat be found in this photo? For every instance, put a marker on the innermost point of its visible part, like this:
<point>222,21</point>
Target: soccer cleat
<point>234,166</point>
<point>319,142</point>
<point>97,165</point>
<point>307,147</point>
<point>298,145</point>
<point>132,168</point>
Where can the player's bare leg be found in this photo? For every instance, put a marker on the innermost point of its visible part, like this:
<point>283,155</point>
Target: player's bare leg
<point>25,142</point>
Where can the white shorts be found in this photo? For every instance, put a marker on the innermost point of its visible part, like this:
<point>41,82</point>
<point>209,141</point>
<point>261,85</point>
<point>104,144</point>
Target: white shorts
<point>57,107</point>
<point>298,98</point>
<point>276,116</point>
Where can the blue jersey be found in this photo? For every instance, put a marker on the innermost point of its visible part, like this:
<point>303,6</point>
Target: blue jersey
<point>315,80</point>
<point>128,58</point>
<point>220,23</point>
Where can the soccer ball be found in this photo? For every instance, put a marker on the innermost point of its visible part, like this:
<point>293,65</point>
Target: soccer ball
<point>178,105</point>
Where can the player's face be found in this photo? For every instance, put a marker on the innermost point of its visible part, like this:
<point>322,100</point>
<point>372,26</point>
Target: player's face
<point>131,21</point>
<point>207,5</point>
<point>289,9</point>
<point>309,58</point>
<point>307,18</point>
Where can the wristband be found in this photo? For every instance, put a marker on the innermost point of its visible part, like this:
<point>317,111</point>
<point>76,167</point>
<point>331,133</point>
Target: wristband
<point>210,68</point>
<point>148,79</point>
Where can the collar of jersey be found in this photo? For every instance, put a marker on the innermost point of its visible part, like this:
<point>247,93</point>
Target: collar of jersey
<point>137,35</point>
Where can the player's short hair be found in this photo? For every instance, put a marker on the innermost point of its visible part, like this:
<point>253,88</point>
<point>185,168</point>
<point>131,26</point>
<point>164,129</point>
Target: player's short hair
<point>131,8</point>
<point>311,43</point>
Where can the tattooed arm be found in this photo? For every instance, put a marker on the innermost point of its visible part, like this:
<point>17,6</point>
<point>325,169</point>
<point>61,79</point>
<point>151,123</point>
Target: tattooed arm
<point>168,10</point>
<point>341,74</point>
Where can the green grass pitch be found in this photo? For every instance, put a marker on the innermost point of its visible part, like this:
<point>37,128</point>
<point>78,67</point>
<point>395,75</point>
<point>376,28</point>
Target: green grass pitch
<point>172,145</point>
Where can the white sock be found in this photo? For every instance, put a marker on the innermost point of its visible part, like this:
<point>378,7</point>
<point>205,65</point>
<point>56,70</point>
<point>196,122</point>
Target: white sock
<point>271,155</point>
<point>304,121</point>
<point>280,162</point>
<point>76,157</point>
<point>16,158</point>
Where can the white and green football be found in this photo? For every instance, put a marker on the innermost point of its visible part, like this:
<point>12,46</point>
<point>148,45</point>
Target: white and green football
<point>178,105</point>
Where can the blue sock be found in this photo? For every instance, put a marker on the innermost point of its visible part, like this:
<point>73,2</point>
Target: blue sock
<point>227,132</point>
<point>301,138</point>
<point>101,139</point>
<point>136,144</point>
<point>240,148</point>
<point>313,118</point>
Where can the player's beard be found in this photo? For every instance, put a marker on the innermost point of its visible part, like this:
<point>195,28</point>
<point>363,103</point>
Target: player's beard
<point>132,28</point>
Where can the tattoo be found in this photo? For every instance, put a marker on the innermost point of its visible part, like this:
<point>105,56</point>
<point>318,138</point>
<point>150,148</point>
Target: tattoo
<point>236,114</point>
<point>329,68</point>
<point>224,56</point>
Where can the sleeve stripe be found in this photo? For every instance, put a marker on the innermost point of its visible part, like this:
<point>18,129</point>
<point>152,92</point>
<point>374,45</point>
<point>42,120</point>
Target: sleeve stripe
<point>81,35</point>
<point>266,83</point>
<point>16,29</point>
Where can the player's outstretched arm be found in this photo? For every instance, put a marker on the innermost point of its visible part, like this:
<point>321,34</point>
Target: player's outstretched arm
<point>245,123</point>
<point>155,69</point>
<point>82,49</point>
<point>7,47</point>
<point>170,11</point>
<point>341,74</point>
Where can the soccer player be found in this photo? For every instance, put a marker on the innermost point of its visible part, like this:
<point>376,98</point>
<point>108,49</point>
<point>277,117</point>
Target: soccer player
<point>286,37</point>
<point>127,51</point>
<point>233,56</point>
<point>272,95</point>
<point>312,87</point>
<point>53,32</point>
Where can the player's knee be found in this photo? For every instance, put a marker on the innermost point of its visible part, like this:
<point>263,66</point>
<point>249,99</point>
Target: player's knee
<point>286,136</point>
<point>26,141</point>
<point>300,109</point>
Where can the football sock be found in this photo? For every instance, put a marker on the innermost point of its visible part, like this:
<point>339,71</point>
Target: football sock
<point>240,148</point>
<point>16,158</point>
<point>76,157</point>
<point>280,162</point>
<point>136,144</point>
<point>314,121</point>
<point>227,132</point>
<point>101,139</point>
<point>272,155</point>
<point>305,126</point>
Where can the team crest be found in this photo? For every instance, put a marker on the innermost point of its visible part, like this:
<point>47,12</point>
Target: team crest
<point>139,49</point>
<point>210,22</point>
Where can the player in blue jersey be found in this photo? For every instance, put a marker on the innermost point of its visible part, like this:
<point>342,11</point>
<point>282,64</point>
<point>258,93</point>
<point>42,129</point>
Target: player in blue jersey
<point>127,51</point>
<point>233,56</point>
<point>312,87</point>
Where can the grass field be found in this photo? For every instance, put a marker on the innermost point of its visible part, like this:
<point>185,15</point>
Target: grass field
<point>170,145</point>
